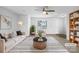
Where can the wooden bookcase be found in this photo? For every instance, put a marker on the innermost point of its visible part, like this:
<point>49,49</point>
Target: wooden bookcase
<point>74,26</point>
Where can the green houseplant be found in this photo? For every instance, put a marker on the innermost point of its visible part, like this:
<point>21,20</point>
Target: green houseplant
<point>40,36</point>
<point>32,30</point>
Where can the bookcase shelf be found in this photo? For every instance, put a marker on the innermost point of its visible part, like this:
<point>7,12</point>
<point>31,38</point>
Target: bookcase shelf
<point>74,30</point>
<point>73,24</point>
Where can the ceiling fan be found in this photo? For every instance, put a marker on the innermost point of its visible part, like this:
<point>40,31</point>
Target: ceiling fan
<point>45,10</point>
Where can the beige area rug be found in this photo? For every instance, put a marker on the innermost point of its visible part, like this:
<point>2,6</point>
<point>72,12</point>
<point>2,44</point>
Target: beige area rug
<point>53,46</point>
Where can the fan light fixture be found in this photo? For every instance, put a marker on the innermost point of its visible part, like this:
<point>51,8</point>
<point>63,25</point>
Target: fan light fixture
<point>45,13</point>
<point>45,10</point>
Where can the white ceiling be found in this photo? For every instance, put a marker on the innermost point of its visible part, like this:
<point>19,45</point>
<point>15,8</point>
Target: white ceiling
<point>24,10</point>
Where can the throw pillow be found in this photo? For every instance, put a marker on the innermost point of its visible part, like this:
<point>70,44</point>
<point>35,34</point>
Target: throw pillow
<point>2,37</point>
<point>19,33</point>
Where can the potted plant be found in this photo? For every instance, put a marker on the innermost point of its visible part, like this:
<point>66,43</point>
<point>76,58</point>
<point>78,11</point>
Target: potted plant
<point>32,30</point>
<point>40,36</point>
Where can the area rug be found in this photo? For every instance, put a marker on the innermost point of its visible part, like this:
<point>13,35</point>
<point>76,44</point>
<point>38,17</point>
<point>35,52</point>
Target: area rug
<point>53,46</point>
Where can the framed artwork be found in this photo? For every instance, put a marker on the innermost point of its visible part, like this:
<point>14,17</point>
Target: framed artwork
<point>42,24</point>
<point>5,22</point>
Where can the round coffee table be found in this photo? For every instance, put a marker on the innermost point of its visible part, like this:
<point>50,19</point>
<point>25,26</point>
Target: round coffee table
<point>39,44</point>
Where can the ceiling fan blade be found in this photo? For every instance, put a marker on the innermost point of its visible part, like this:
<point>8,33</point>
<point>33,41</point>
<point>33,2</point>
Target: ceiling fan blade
<point>38,9</point>
<point>50,10</point>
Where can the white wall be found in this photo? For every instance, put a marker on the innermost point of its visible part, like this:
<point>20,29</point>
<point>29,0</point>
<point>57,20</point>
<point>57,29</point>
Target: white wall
<point>13,16</point>
<point>55,25</point>
<point>25,27</point>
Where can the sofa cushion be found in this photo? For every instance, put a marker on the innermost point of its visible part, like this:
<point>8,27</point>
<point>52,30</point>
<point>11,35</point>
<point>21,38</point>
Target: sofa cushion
<point>13,41</point>
<point>18,38</point>
<point>8,35</point>
<point>9,43</point>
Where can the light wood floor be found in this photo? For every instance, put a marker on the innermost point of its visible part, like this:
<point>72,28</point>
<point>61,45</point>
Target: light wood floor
<point>62,39</point>
<point>60,46</point>
<point>53,46</point>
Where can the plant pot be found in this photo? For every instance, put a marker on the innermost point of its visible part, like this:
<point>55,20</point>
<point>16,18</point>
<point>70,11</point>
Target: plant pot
<point>39,44</point>
<point>32,33</point>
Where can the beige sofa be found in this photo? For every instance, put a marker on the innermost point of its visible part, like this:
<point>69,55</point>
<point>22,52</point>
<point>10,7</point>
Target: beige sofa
<point>7,46</point>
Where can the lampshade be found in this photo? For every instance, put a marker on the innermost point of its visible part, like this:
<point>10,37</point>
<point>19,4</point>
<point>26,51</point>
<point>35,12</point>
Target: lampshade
<point>20,23</point>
